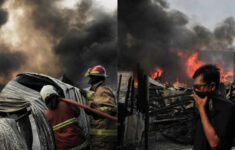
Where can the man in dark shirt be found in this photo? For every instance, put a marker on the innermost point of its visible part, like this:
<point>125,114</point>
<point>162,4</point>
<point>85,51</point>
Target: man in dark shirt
<point>215,125</point>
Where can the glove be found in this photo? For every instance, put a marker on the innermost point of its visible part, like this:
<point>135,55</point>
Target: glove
<point>91,113</point>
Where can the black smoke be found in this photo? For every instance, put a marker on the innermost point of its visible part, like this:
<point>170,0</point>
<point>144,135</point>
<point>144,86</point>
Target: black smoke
<point>10,61</point>
<point>96,44</point>
<point>46,16</point>
<point>80,37</point>
<point>3,14</point>
<point>151,34</point>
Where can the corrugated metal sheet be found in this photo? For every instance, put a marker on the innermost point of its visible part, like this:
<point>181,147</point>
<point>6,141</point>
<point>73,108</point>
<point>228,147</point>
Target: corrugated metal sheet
<point>16,96</point>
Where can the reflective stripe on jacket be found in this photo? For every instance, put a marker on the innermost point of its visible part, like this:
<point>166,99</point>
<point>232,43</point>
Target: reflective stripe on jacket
<point>103,132</point>
<point>65,123</point>
<point>68,134</point>
<point>90,95</point>
<point>105,109</point>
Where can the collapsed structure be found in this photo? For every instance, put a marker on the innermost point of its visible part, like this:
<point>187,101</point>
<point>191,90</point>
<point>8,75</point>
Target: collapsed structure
<point>151,107</point>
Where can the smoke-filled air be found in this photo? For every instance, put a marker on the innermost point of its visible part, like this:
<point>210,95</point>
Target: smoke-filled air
<point>159,37</point>
<point>48,37</point>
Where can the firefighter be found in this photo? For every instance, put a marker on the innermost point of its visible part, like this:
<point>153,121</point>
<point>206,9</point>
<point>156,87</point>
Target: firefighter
<point>103,131</point>
<point>63,119</point>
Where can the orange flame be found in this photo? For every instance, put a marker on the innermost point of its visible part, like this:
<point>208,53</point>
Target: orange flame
<point>156,73</point>
<point>193,63</point>
<point>166,83</point>
<point>224,75</point>
<point>180,83</point>
<point>135,81</point>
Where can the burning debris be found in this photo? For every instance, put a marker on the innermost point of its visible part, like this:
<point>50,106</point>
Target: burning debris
<point>157,37</point>
<point>166,109</point>
<point>172,110</point>
<point>192,63</point>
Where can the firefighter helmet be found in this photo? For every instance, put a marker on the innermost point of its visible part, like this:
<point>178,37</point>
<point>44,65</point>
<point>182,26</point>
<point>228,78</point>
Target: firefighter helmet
<point>96,71</point>
<point>47,91</point>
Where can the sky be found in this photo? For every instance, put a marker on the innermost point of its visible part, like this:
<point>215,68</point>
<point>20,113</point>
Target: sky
<point>208,13</point>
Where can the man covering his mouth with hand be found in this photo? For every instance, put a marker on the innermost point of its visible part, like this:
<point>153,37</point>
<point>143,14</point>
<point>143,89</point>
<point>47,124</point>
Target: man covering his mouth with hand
<point>215,126</point>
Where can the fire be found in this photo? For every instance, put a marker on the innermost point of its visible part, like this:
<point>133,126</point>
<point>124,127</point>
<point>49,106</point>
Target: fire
<point>135,83</point>
<point>192,63</point>
<point>224,75</point>
<point>156,73</point>
<point>166,83</point>
<point>180,83</point>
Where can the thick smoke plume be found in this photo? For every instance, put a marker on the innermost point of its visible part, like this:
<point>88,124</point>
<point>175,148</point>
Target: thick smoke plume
<point>94,45</point>
<point>81,43</point>
<point>55,40</point>
<point>151,34</point>
<point>10,60</point>
<point>3,14</point>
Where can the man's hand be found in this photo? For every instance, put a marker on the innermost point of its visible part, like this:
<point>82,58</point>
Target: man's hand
<point>200,102</point>
<point>209,130</point>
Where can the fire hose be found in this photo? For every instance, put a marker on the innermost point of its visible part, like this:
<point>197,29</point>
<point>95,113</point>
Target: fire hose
<point>91,109</point>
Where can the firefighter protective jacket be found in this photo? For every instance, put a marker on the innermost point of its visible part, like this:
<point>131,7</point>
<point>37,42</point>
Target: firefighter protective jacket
<point>103,131</point>
<point>68,135</point>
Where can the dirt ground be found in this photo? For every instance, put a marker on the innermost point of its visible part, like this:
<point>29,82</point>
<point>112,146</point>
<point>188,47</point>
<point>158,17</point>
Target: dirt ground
<point>158,142</point>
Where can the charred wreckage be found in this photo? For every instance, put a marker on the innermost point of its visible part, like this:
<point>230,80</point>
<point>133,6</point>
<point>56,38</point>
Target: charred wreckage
<point>149,107</point>
<point>144,109</point>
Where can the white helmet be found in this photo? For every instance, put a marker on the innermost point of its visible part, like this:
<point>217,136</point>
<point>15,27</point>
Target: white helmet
<point>46,91</point>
